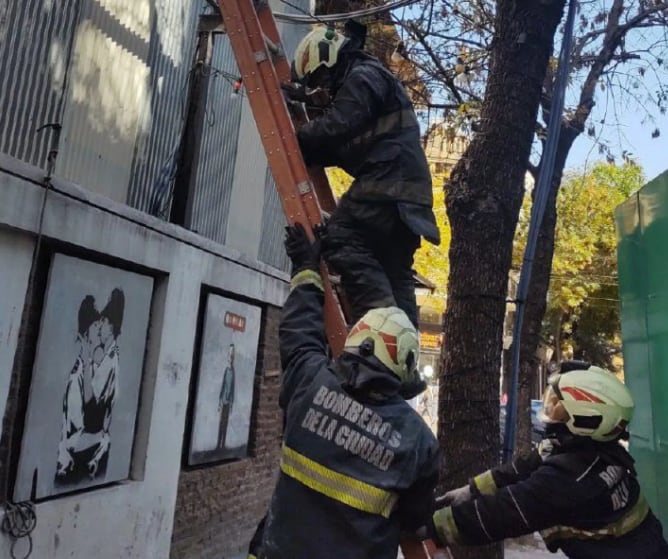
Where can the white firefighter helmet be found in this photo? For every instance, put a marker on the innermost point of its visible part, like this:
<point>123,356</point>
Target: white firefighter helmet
<point>590,402</point>
<point>320,47</point>
<point>390,337</point>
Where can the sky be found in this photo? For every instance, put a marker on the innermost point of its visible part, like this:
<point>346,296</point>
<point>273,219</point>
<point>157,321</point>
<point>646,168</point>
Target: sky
<point>627,127</point>
<point>632,135</point>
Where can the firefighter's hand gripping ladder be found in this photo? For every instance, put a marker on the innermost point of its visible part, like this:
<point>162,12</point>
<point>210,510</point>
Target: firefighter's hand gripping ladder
<point>304,192</point>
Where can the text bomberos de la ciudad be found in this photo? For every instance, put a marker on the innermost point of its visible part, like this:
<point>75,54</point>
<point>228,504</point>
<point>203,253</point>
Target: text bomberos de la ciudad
<point>338,418</point>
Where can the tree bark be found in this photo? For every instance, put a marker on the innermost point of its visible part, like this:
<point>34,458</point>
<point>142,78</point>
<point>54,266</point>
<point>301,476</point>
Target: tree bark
<point>483,199</point>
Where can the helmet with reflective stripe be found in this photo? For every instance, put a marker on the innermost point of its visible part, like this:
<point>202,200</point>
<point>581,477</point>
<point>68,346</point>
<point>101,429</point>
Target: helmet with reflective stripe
<point>388,334</point>
<point>320,47</point>
<point>589,402</point>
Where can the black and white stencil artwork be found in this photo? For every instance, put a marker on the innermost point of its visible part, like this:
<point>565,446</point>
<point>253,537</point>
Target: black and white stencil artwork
<point>224,395</point>
<point>85,386</point>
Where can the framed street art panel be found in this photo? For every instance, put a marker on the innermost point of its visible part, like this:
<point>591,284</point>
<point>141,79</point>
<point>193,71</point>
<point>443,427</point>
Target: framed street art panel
<point>225,379</point>
<point>84,392</point>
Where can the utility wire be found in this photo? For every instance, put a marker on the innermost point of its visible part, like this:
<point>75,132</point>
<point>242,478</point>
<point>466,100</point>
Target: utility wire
<point>307,17</point>
<point>537,212</point>
<point>291,17</point>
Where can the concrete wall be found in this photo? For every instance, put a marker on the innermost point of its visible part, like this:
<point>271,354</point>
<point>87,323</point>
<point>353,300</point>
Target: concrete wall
<point>217,508</point>
<point>134,519</point>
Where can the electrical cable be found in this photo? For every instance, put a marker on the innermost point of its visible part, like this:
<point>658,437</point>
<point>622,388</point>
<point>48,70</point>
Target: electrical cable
<point>19,522</point>
<point>308,18</point>
<point>537,212</point>
<point>20,518</point>
<point>316,19</point>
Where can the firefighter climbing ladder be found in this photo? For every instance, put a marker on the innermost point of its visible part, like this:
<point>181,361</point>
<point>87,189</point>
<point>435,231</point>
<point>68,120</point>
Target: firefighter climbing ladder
<point>304,193</point>
<point>263,66</point>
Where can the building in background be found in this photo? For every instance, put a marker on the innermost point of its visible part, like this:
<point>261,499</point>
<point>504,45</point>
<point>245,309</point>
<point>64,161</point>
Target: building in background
<point>443,149</point>
<point>139,224</point>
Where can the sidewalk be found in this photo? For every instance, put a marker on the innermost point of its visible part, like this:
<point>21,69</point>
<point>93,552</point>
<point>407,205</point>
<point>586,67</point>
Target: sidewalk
<point>527,547</point>
<point>526,552</point>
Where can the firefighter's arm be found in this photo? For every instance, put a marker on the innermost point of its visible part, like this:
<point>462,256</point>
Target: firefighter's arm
<point>490,481</point>
<point>544,499</point>
<point>301,333</point>
<point>354,109</point>
<point>509,473</point>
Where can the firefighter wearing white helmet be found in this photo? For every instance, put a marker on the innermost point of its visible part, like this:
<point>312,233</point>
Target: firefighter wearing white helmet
<point>319,49</point>
<point>387,335</point>
<point>579,488</point>
<point>371,131</point>
<point>357,462</point>
<point>590,403</point>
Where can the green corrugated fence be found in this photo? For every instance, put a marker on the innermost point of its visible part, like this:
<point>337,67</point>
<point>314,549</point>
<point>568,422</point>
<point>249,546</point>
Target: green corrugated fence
<point>642,236</point>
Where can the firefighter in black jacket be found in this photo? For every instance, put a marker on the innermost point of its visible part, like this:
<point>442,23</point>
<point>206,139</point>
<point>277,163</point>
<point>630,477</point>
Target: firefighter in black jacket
<point>370,130</point>
<point>579,489</point>
<point>358,464</point>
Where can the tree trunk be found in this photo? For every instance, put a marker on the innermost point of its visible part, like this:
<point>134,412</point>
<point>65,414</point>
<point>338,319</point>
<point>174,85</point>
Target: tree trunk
<point>557,338</point>
<point>536,302</point>
<point>525,391</point>
<point>483,199</point>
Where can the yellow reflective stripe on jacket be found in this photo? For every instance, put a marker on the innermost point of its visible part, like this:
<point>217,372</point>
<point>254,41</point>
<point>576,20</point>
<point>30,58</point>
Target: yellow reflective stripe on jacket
<point>630,521</point>
<point>340,487</point>
<point>306,276</point>
<point>485,483</point>
<point>446,527</point>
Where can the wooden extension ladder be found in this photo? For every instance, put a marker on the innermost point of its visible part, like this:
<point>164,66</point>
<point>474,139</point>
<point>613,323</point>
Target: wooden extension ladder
<point>304,193</point>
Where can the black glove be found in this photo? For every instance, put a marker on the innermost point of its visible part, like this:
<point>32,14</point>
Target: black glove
<point>294,91</point>
<point>318,97</point>
<point>304,254</point>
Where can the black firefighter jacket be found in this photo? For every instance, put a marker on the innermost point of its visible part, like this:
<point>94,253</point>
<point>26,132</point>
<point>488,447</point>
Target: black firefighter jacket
<point>584,499</point>
<point>371,132</point>
<point>353,472</point>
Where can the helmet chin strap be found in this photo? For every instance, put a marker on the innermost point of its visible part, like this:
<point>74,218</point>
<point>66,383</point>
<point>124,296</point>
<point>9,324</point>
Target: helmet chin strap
<point>560,434</point>
<point>410,389</point>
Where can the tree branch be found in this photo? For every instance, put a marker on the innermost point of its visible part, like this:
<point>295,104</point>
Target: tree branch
<point>447,78</point>
<point>611,42</point>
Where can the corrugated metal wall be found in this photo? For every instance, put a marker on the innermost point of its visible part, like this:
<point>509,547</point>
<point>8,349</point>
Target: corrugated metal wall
<point>35,41</point>
<point>115,73</point>
<point>215,169</point>
<point>108,95</point>
<point>171,55</point>
<point>244,224</point>
<point>272,251</point>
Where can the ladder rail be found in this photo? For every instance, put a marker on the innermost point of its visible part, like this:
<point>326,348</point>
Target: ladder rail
<point>277,133</point>
<point>262,88</point>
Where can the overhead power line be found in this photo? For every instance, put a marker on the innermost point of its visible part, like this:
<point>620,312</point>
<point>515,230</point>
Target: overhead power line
<point>307,18</point>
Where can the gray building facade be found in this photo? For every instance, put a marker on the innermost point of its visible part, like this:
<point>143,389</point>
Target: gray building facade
<point>96,97</point>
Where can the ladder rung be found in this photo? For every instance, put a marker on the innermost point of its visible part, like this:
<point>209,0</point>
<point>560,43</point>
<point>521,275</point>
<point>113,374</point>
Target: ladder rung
<point>272,47</point>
